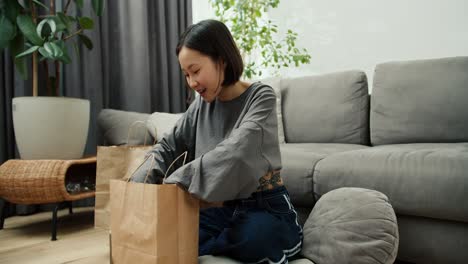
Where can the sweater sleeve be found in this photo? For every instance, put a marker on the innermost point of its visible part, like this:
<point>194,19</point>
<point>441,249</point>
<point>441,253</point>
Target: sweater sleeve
<point>232,169</point>
<point>173,144</point>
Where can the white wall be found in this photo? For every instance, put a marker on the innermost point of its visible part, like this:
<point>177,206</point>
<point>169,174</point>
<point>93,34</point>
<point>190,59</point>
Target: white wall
<point>344,35</point>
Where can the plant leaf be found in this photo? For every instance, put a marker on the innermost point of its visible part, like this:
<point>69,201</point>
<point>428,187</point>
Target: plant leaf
<point>48,48</point>
<point>79,3</point>
<point>98,6</point>
<point>28,51</point>
<point>41,4</point>
<point>64,18</point>
<point>12,9</point>
<point>7,31</point>
<point>52,26</point>
<point>86,41</point>
<point>57,51</point>
<point>61,21</point>
<point>16,46</point>
<point>60,43</point>
<point>26,25</point>
<point>43,51</point>
<point>65,58</point>
<point>86,23</point>
<point>51,50</point>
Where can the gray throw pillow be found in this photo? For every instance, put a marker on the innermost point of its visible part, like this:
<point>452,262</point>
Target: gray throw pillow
<point>351,225</point>
<point>115,127</point>
<point>160,123</point>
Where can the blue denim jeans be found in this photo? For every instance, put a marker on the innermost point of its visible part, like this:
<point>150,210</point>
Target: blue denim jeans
<point>260,229</point>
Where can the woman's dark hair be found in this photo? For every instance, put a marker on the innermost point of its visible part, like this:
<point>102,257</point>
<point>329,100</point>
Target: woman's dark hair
<point>212,38</point>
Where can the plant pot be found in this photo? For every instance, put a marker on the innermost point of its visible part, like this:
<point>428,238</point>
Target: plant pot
<point>50,127</point>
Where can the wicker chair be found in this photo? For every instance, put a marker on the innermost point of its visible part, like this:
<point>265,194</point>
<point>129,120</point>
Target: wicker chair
<point>44,181</point>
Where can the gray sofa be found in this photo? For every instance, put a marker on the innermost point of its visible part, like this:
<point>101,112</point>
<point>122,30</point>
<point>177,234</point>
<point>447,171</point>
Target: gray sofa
<point>408,140</point>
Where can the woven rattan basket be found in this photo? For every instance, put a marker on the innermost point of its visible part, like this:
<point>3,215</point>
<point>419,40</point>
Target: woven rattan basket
<point>42,181</point>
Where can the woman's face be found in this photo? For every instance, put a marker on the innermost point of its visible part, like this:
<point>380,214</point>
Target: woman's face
<point>202,74</point>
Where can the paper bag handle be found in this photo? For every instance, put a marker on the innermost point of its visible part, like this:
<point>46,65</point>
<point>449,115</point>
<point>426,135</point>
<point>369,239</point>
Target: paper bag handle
<point>152,164</point>
<point>170,166</point>
<point>141,164</point>
<point>146,134</point>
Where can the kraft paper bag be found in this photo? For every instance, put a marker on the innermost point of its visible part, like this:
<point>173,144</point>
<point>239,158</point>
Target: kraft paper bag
<point>153,223</point>
<point>114,162</point>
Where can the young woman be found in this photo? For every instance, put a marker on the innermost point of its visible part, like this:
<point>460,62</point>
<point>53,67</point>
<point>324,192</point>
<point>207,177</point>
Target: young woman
<point>231,136</point>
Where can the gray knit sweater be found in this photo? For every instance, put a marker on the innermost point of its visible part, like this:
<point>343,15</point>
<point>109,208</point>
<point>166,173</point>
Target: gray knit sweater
<point>230,145</point>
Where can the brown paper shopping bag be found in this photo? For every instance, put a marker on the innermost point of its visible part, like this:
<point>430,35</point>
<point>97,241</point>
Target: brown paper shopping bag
<point>114,162</point>
<point>153,223</point>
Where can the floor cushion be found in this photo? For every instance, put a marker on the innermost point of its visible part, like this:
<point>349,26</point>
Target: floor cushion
<point>225,260</point>
<point>351,225</point>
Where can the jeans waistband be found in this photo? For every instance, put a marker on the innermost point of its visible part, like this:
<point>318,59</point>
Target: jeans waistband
<point>269,193</point>
<point>256,199</point>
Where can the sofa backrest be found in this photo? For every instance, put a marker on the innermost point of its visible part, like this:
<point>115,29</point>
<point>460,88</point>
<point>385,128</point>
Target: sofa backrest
<point>330,108</point>
<point>275,83</point>
<point>117,127</point>
<point>420,101</point>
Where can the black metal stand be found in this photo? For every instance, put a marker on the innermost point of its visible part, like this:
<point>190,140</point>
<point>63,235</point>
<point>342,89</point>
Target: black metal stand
<point>4,209</point>
<point>3,212</point>
<point>54,217</point>
<point>70,207</point>
<point>54,222</point>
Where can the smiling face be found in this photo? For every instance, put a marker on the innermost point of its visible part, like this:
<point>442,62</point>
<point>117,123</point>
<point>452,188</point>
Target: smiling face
<point>203,75</point>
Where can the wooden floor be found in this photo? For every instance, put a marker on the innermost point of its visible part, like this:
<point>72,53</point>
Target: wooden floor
<point>26,239</point>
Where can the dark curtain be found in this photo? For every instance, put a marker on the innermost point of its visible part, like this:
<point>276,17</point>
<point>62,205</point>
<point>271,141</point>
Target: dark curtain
<point>132,66</point>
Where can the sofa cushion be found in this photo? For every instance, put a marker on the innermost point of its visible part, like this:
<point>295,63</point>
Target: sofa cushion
<point>299,161</point>
<point>115,127</point>
<point>275,83</point>
<point>330,108</point>
<point>427,240</point>
<point>161,123</point>
<point>351,225</point>
<point>420,101</point>
<point>428,180</point>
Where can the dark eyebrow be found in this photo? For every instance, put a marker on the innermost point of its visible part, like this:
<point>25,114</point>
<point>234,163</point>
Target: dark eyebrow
<point>190,66</point>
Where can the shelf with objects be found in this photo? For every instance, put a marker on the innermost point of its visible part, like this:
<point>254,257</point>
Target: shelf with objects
<point>47,181</point>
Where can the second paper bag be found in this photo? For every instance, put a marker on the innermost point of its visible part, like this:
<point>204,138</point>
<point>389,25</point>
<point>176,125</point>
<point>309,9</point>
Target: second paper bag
<point>113,162</point>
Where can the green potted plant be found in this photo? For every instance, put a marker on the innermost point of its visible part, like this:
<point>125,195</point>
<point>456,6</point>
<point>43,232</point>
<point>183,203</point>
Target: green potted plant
<point>46,127</point>
<point>257,37</point>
